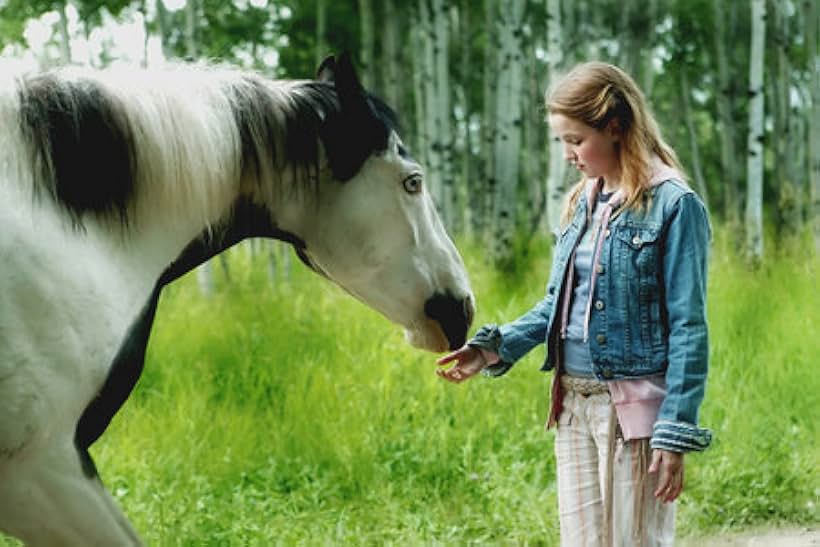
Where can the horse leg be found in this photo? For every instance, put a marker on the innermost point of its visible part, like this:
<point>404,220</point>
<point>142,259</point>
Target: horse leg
<point>48,497</point>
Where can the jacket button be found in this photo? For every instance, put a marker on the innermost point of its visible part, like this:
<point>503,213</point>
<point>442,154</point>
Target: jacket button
<point>607,373</point>
<point>601,339</point>
<point>599,305</point>
<point>600,268</point>
<point>636,240</point>
<point>606,234</point>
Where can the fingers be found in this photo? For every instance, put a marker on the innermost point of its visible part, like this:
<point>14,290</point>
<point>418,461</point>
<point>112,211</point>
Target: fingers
<point>447,358</point>
<point>672,489</point>
<point>453,355</point>
<point>670,481</point>
<point>469,361</point>
<point>455,374</point>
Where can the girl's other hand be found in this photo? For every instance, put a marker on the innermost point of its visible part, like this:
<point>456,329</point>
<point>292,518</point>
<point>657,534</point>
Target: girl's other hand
<point>469,362</point>
<point>670,481</point>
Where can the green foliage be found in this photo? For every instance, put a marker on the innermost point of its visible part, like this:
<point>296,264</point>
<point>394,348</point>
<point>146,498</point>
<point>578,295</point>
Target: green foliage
<point>295,415</point>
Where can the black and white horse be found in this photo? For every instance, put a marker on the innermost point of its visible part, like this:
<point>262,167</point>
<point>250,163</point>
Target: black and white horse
<point>114,184</point>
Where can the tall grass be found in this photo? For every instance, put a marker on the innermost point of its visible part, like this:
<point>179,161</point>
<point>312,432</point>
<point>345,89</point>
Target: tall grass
<point>294,415</point>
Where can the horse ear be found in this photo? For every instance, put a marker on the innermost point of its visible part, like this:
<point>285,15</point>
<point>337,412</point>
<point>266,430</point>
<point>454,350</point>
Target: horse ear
<point>346,154</point>
<point>327,70</point>
<point>351,93</point>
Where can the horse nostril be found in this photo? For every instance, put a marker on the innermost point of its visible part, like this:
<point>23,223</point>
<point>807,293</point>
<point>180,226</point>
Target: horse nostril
<point>452,314</point>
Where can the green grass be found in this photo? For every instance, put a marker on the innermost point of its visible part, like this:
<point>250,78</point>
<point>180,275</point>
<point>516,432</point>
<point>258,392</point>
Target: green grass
<point>294,415</point>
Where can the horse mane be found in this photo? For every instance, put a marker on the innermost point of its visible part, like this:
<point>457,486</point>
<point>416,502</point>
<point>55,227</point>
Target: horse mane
<point>107,144</point>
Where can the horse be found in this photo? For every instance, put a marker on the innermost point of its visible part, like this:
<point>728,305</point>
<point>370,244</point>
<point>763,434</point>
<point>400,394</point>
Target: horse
<point>114,183</point>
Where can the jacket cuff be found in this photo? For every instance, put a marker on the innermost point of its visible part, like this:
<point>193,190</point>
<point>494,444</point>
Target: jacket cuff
<point>680,437</point>
<point>488,338</point>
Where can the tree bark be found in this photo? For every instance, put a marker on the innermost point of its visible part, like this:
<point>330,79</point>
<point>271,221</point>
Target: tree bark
<point>419,90</point>
<point>508,138</point>
<point>390,64</point>
<point>556,186</point>
<point>321,31</point>
<point>191,49</point>
<point>65,39</point>
<point>438,128</point>
<point>686,109</point>
<point>368,39</point>
<point>432,148</point>
<point>725,99</point>
<point>464,180</point>
<point>786,146</point>
<point>812,22</point>
<point>443,125</point>
<point>486,187</point>
<point>162,24</point>
<point>754,163</point>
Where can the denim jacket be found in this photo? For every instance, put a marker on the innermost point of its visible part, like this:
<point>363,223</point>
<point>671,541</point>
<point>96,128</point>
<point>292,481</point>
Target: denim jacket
<point>649,313</point>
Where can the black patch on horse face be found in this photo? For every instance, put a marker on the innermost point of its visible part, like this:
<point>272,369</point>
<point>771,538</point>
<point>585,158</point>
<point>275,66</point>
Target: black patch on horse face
<point>82,143</point>
<point>361,126</point>
<point>312,114</point>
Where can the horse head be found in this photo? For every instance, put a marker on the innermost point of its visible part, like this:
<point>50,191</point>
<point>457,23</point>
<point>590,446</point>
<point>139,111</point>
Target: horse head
<point>374,229</point>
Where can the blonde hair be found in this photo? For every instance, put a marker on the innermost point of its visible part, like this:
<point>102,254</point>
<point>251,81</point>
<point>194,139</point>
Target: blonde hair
<point>597,93</point>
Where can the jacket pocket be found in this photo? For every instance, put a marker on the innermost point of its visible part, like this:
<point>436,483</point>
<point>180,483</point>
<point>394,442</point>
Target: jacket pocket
<point>638,260</point>
<point>638,248</point>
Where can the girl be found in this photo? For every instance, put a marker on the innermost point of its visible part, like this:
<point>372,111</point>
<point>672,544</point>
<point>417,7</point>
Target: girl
<point>623,318</point>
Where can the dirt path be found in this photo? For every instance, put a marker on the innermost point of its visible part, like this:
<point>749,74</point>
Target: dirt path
<point>779,537</point>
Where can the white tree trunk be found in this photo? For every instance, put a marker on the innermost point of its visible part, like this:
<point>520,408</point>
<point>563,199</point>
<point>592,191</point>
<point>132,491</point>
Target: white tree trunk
<point>419,91</point>
<point>556,187</point>
<point>390,65</point>
<point>162,27</point>
<point>321,31</point>
<point>728,131</point>
<point>484,201</point>
<point>65,39</point>
<point>191,48</point>
<point>434,29</point>
<point>464,160</point>
<point>443,120</point>
<point>697,170</point>
<point>367,33</point>
<point>812,21</point>
<point>508,120</point>
<point>788,171</point>
<point>754,163</point>
<point>647,68</point>
<point>432,152</point>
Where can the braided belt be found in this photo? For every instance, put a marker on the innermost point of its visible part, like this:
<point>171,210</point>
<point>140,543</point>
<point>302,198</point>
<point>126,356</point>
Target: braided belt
<point>583,386</point>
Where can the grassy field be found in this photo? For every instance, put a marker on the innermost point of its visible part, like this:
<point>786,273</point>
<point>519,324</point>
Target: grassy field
<point>295,415</point>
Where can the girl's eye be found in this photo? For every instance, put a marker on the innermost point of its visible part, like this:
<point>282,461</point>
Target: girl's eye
<point>412,184</point>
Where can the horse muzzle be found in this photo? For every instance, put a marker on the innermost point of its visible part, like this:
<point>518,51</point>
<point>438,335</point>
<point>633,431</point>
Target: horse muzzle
<point>452,315</point>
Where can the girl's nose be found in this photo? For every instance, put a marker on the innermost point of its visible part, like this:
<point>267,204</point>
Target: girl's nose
<point>569,155</point>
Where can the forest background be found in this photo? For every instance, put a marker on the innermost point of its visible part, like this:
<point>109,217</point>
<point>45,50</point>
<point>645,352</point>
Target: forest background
<point>273,407</point>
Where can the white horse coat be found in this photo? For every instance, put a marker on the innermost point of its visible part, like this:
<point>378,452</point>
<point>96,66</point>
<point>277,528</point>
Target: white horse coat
<point>113,185</point>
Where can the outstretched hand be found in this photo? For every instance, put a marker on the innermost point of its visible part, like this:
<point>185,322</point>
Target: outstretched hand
<point>469,362</point>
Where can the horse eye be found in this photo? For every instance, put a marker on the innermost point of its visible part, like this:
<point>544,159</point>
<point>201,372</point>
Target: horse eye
<point>412,184</point>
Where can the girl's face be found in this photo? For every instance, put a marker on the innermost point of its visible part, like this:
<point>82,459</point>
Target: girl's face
<point>591,151</point>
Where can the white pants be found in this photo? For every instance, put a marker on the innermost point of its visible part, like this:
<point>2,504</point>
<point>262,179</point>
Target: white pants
<point>581,445</point>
